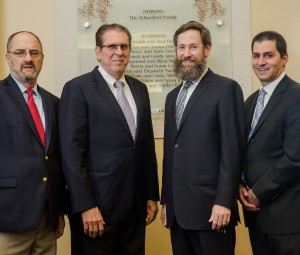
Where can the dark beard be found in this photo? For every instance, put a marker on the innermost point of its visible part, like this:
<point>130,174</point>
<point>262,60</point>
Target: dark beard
<point>191,73</point>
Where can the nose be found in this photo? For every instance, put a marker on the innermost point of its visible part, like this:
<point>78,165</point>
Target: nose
<point>187,51</point>
<point>261,60</point>
<point>119,50</point>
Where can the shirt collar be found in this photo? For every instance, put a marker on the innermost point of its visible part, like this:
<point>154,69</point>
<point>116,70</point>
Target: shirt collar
<point>23,89</point>
<point>269,88</point>
<point>108,78</point>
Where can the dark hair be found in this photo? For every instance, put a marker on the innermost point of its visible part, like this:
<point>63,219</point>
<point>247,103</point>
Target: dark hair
<point>272,36</point>
<point>9,40</point>
<point>107,27</point>
<point>193,25</point>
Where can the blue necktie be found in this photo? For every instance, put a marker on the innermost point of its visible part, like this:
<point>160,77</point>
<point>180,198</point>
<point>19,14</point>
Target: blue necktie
<point>125,106</point>
<point>180,102</point>
<point>258,109</point>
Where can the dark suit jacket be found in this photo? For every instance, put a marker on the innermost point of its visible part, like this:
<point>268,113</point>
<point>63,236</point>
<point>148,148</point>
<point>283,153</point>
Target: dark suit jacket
<point>24,162</point>
<point>272,165</point>
<point>103,166</point>
<point>202,160</point>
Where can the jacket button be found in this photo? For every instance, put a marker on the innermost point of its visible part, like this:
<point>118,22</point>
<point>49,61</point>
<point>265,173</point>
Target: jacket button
<point>45,179</point>
<point>176,146</point>
<point>46,157</point>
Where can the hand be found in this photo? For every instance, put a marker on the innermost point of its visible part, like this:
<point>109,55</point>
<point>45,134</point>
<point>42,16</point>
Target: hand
<point>163,215</point>
<point>152,210</point>
<point>220,217</point>
<point>93,223</point>
<point>60,227</point>
<point>253,199</point>
<point>244,198</point>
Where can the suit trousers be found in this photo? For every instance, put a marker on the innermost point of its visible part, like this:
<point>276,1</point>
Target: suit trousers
<point>202,242</point>
<point>273,244</point>
<point>34,242</point>
<point>124,238</point>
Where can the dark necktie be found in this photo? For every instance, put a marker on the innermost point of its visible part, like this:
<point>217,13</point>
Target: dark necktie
<point>258,109</point>
<point>125,106</point>
<point>36,117</point>
<point>180,102</point>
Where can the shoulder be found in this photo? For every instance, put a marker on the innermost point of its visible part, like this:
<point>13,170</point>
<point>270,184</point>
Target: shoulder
<point>48,94</point>
<point>135,81</point>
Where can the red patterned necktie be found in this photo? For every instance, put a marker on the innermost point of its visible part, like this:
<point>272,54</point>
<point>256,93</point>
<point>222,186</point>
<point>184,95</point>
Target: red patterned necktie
<point>36,117</point>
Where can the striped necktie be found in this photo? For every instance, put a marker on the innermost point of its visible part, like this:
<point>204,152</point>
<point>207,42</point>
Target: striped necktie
<point>258,110</point>
<point>180,102</point>
<point>125,106</point>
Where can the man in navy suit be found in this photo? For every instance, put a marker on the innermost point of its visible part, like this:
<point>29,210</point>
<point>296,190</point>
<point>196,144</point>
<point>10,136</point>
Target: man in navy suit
<point>203,149</point>
<point>32,187</point>
<point>271,192</point>
<point>108,152</point>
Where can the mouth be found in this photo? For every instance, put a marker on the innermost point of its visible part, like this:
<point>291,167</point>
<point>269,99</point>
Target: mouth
<point>28,67</point>
<point>187,62</point>
<point>262,70</point>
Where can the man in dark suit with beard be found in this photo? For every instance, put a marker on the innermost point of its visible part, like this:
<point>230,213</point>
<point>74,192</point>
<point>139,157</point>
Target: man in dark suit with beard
<point>203,147</point>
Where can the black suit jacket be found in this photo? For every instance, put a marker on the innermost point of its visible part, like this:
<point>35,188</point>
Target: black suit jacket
<point>202,160</point>
<point>24,161</point>
<point>272,165</point>
<point>103,166</point>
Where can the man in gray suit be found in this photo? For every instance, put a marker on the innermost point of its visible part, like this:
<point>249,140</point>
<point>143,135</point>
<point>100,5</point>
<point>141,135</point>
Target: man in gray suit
<point>203,148</point>
<point>271,192</point>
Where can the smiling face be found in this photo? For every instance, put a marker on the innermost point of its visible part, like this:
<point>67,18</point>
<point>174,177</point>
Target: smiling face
<point>191,55</point>
<point>267,63</point>
<point>114,61</point>
<point>27,68</point>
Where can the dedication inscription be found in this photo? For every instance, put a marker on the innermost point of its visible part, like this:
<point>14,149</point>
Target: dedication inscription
<point>152,25</point>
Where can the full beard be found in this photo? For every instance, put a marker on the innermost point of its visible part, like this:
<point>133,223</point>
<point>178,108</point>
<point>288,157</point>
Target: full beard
<point>189,73</point>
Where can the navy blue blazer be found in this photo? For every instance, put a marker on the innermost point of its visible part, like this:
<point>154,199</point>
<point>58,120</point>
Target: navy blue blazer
<point>24,162</point>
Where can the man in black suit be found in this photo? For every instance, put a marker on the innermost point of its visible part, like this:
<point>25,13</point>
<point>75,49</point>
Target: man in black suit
<point>271,192</point>
<point>202,150</point>
<point>108,152</point>
<point>32,188</point>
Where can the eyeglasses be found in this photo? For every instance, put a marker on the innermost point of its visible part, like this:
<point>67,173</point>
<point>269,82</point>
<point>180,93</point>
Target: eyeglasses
<point>23,53</point>
<point>191,48</point>
<point>114,47</point>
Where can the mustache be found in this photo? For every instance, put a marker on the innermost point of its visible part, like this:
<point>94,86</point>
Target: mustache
<point>28,63</point>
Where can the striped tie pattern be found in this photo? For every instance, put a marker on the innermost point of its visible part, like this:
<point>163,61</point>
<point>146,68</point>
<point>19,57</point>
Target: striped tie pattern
<point>180,102</point>
<point>258,109</point>
<point>125,106</point>
<point>36,116</point>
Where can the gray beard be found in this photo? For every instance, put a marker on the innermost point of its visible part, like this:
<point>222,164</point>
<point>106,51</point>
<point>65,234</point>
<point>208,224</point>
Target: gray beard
<point>189,74</point>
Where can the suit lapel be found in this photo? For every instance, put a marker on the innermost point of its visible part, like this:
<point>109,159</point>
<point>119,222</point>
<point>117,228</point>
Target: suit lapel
<point>198,92</point>
<point>108,97</point>
<point>273,101</point>
<point>250,110</point>
<point>48,121</point>
<point>138,103</point>
<point>16,95</point>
